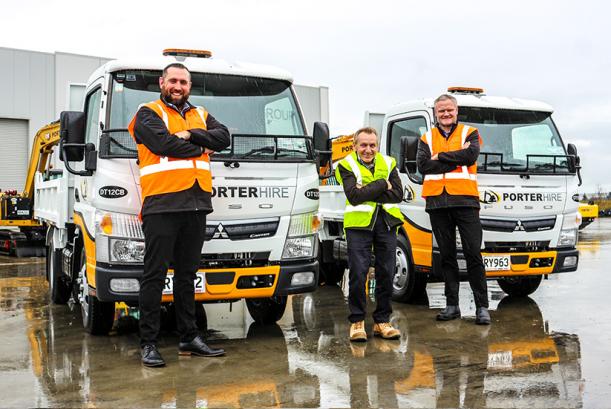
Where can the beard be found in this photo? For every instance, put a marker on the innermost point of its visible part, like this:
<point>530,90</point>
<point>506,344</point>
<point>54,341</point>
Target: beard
<point>178,101</point>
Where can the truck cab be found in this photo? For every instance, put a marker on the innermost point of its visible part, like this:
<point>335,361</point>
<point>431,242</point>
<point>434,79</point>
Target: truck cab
<point>260,240</point>
<point>527,180</point>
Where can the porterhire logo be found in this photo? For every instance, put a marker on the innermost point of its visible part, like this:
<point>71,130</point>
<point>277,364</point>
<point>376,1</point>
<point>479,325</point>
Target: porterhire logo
<point>489,196</point>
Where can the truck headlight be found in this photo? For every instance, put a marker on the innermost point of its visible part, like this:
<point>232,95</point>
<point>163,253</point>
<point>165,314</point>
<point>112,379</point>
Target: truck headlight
<point>301,236</point>
<point>568,233</point>
<point>298,247</point>
<point>126,251</point>
<point>568,238</point>
<point>119,238</point>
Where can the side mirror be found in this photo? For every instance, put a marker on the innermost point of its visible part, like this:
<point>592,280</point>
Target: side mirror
<point>574,160</point>
<point>72,136</point>
<point>407,158</point>
<point>322,150</point>
<point>321,136</point>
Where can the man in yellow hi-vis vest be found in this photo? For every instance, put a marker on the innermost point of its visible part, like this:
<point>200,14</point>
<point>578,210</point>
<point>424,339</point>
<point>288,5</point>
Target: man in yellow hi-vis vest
<point>175,140</point>
<point>371,218</point>
<point>447,157</point>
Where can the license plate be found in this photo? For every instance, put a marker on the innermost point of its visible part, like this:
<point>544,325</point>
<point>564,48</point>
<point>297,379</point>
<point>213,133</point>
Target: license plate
<point>500,360</point>
<point>199,283</point>
<point>497,263</point>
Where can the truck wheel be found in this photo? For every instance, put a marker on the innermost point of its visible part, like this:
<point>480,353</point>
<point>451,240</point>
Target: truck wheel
<point>520,286</point>
<point>98,316</point>
<point>407,286</point>
<point>59,284</point>
<point>266,310</point>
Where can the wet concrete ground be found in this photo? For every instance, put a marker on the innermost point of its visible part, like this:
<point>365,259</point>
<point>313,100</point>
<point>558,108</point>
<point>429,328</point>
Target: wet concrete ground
<point>550,350</point>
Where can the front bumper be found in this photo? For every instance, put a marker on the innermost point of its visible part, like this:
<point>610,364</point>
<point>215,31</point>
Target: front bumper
<point>522,263</point>
<point>221,284</point>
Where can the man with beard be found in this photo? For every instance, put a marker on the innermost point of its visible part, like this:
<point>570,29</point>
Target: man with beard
<point>175,140</point>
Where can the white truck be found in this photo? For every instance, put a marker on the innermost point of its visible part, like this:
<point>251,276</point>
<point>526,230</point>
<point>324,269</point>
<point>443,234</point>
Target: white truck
<point>261,238</point>
<point>528,184</point>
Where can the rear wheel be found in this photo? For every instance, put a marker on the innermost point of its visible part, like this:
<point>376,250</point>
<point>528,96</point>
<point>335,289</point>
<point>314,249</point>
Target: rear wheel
<point>98,316</point>
<point>520,286</point>
<point>407,286</point>
<point>59,283</point>
<point>266,310</point>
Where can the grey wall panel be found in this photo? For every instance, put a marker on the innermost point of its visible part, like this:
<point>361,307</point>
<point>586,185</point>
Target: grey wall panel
<point>7,66</point>
<point>72,69</point>
<point>314,103</point>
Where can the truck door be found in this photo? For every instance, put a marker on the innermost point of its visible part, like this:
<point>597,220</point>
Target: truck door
<point>418,225</point>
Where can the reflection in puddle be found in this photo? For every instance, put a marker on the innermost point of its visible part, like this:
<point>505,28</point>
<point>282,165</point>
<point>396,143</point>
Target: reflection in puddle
<point>304,361</point>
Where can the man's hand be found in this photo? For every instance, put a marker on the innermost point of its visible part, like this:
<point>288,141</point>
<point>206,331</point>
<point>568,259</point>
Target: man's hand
<point>208,151</point>
<point>186,135</point>
<point>466,145</point>
<point>435,157</point>
<point>388,185</point>
<point>358,186</point>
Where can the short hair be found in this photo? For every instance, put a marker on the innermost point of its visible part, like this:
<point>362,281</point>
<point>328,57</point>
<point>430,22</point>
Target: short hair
<point>366,129</point>
<point>445,97</point>
<point>175,65</point>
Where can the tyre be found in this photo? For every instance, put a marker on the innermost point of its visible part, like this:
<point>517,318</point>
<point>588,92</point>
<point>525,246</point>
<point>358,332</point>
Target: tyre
<point>98,316</point>
<point>520,286</point>
<point>407,286</point>
<point>59,284</point>
<point>266,310</point>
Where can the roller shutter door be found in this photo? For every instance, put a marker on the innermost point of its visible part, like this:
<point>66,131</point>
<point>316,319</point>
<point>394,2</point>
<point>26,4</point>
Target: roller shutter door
<point>13,153</point>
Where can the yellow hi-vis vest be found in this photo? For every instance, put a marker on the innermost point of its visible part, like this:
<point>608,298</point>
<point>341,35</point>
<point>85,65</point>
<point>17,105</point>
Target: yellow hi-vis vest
<point>360,215</point>
<point>159,175</point>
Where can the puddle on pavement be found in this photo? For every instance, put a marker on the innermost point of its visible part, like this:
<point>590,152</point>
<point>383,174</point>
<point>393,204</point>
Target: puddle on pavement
<point>303,361</point>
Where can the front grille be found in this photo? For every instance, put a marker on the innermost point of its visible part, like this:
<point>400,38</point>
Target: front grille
<point>235,260</point>
<point>242,231</point>
<point>508,226</point>
<point>515,246</point>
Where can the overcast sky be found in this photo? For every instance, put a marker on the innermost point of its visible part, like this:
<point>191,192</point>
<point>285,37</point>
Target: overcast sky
<point>371,54</point>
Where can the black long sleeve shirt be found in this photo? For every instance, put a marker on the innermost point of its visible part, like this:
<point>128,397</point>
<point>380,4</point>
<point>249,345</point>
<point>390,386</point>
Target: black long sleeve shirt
<point>447,162</point>
<point>150,130</point>
<point>376,191</point>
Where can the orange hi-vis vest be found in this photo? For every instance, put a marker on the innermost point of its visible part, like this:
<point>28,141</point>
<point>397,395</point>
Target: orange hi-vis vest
<point>462,180</point>
<point>162,174</point>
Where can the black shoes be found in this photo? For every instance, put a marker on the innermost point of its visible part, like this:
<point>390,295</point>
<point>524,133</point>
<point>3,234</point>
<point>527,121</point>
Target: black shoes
<point>482,316</point>
<point>451,312</point>
<point>151,356</point>
<point>198,347</point>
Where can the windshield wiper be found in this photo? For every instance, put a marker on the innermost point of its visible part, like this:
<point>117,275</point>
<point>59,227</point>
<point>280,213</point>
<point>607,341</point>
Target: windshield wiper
<point>277,152</point>
<point>505,164</point>
<point>263,149</point>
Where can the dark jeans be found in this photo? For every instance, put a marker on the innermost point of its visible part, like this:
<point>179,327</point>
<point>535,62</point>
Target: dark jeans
<point>444,223</point>
<point>175,238</point>
<point>360,242</point>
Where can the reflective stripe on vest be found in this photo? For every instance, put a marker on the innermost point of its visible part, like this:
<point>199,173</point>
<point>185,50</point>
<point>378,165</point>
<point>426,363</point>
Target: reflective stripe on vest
<point>165,165</point>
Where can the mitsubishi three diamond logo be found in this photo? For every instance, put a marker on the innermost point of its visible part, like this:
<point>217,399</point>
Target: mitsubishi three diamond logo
<point>220,233</point>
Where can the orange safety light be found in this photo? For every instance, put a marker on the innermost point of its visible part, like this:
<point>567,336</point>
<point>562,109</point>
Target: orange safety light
<point>181,52</point>
<point>465,90</point>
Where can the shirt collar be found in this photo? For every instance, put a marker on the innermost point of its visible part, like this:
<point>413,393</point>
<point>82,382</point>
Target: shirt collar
<point>447,134</point>
<point>369,166</point>
<point>186,106</point>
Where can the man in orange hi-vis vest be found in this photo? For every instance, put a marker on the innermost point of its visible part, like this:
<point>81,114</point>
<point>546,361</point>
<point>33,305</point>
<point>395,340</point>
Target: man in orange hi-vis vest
<point>175,140</point>
<point>447,157</point>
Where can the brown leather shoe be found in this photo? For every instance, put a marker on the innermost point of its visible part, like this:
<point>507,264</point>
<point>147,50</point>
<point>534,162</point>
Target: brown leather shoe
<point>386,331</point>
<point>357,332</point>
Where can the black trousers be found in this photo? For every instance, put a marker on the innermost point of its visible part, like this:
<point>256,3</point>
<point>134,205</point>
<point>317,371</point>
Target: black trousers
<point>444,223</point>
<point>175,238</point>
<point>360,243</point>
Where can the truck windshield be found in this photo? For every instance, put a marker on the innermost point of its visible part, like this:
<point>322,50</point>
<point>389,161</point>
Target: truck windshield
<point>516,140</point>
<point>246,105</point>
